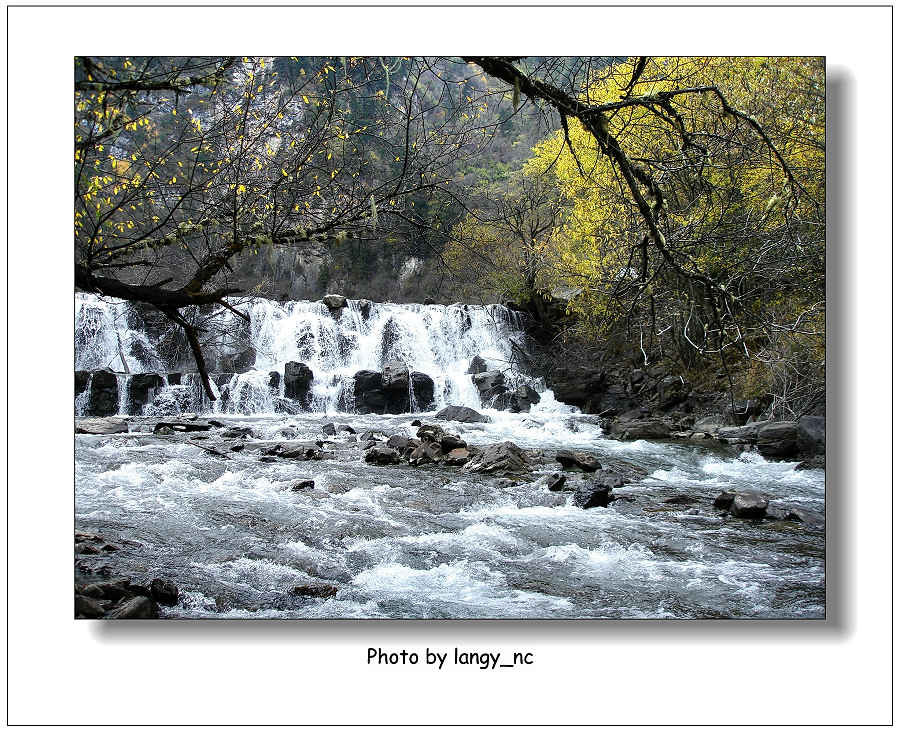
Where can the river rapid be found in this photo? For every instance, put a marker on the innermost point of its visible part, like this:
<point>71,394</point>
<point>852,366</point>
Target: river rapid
<point>437,542</point>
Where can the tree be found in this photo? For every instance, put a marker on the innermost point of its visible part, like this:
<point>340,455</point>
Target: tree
<point>183,165</point>
<point>698,203</point>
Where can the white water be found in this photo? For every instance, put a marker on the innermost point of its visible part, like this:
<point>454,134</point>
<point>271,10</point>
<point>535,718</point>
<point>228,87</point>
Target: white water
<point>401,541</point>
<point>437,340</point>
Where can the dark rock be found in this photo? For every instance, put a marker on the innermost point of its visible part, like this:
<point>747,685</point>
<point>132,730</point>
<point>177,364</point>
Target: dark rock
<point>81,381</point>
<point>140,607</point>
<point>724,500</point>
<point>104,396</point>
<point>749,505</point>
<point>583,388</point>
<point>334,301</point>
<point>346,428</point>
<point>592,495</point>
<point>608,479</point>
<point>329,430</point>
<point>523,398</point>
<point>101,425</point>
<point>423,390</point>
<point>303,485</point>
<point>297,380</point>
<point>382,454</point>
<point>747,433</point>
<point>141,388</point>
<point>458,456</point>
<point>577,460</point>
<point>316,591</point>
<point>711,424</point>
<point>428,301</point>
<point>164,592</point>
<point>476,365</point>
<point>462,414</point>
<point>431,433</point>
<point>811,435</point>
<point>808,518</point>
<point>503,458</point>
<point>303,451</point>
<point>401,443</point>
<point>240,362</point>
<point>181,426</point>
<point>395,378</point>
<point>368,394</point>
<point>671,390</point>
<point>274,380</point>
<point>365,307</point>
<point>237,432</point>
<point>490,384</point>
<point>451,441</point>
<point>640,429</point>
<point>87,608</point>
<point>777,439</point>
<point>416,422</point>
<point>555,481</point>
<point>86,548</point>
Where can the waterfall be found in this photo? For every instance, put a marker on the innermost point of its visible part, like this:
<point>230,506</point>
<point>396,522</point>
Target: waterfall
<point>437,340</point>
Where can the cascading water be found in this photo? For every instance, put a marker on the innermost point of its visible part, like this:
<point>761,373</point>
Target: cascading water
<point>239,530</point>
<point>437,340</point>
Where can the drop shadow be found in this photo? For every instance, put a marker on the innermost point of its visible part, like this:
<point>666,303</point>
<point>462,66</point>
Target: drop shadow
<point>840,459</point>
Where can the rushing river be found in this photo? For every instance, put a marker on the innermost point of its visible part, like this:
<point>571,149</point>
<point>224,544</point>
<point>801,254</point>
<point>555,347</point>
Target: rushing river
<point>402,541</point>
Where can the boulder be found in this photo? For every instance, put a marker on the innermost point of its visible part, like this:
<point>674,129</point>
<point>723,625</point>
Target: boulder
<point>365,307</point>
<point>303,485</point>
<point>334,302</point>
<point>297,380</point>
<point>608,479</point>
<point>423,390</point>
<point>490,384</point>
<point>555,481</point>
<point>317,591</point>
<point>724,500</point>
<point>382,454</point>
<point>141,388</point>
<point>639,429</point>
<point>777,439</point>
<point>274,380</point>
<point>395,378</point>
<point>671,390</point>
<point>523,398</point>
<point>476,365</point>
<point>164,592</point>
<point>592,495</point>
<point>582,388</point>
<point>329,430</point>
<point>711,424</point>
<point>503,458</point>
<point>140,607</point>
<point>458,456</point>
<point>462,414</point>
<point>811,435</point>
<point>240,362</point>
<point>749,504</point>
<point>747,433</point>
<point>101,425</point>
<point>104,395</point>
<point>577,460</point>
<point>87,608</point>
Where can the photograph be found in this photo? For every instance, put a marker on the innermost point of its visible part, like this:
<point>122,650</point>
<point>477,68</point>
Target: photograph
<point>449,338</point>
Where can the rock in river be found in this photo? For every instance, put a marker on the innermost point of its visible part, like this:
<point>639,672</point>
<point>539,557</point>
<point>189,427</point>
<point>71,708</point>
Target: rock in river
<point>462,414</point>
<point>749,505</point>
<point>504,458</point>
